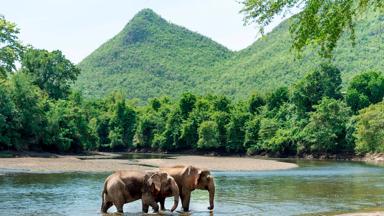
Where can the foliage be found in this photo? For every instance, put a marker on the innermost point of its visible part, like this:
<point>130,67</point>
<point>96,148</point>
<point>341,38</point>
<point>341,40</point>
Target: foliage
<point>30,104</point>
<point>67,128</point>
<point>365,89</point>
<point>9,118</point>
<point>277,98</point>
<point>236,132</point>
<point>309,117</point>
<point>256,101</point>
<point>325,81</point>
<point>320,22</point>
<point>326,130</point>
<point>369,131</point>
<point>10,47</point>
<point>208,135</point>
<point>158,64</point>
<point>150,57</point>
<point>51,71</point>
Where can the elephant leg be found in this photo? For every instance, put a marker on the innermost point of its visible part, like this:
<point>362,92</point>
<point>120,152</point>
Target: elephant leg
<point>185,200</point>
<point>105,206</point>
<point>119,207</point>
<point>145,208</point>
<point>162,202</point>
<point>155,206</point>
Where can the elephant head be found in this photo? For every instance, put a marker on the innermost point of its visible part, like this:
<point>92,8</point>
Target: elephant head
<point>151,188</point>
<point>159,184</point>
<point>203,180</point>
<point>169,186</point>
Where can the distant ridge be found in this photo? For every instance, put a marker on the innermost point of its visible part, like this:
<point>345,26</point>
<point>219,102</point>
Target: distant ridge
<point>151,57</point>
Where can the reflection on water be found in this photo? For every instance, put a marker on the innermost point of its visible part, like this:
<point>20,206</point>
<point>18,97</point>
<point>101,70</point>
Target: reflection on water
<point>315,187</point>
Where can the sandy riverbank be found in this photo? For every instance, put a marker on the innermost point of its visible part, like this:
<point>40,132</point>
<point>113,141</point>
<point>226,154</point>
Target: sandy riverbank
<point>100,164</point>
<point>363,214</point>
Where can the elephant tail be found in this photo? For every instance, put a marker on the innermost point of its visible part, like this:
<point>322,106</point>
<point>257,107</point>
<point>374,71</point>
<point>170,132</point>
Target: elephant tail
<point>103,194</point>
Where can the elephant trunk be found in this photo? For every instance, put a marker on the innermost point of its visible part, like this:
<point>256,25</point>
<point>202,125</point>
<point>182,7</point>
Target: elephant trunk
<point>211,190</point>
<point>176,194</point>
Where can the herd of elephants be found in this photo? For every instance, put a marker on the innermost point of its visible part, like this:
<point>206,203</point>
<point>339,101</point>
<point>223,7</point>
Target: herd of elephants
<point>154,186</point>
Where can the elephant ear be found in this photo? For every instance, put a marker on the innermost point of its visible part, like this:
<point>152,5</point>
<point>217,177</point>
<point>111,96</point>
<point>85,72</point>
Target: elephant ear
<point>154,182</point>
<point>193,175</point>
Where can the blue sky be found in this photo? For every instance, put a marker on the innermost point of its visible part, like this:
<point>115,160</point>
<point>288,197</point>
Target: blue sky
<point>77,27</point>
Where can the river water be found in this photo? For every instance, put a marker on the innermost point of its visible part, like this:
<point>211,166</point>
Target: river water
<point>316,187</point>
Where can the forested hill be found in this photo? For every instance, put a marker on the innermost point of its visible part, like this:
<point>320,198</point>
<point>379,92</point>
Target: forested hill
<point>152,57</point>
<point>269,63</point>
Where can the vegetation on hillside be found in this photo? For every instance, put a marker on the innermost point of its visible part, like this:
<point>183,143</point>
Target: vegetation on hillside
<point>150,57</point>
<point>319,23</point>
<point>166,59</point>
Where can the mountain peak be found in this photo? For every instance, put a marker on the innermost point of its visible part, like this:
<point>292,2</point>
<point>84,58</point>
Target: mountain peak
<point>146,14</point>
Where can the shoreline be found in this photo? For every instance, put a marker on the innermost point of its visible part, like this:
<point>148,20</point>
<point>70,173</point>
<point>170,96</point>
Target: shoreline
<point>110,162</point>
<point>43,162</point>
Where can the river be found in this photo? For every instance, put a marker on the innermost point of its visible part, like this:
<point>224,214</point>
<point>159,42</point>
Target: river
<point>315,187</point>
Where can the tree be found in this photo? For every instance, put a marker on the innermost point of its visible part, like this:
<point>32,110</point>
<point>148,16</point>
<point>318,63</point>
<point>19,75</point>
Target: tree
<point>30,104</point>
<point>169,140</point>
<point>325,133</point>
<point>146,129</point>
<point>187,103</point>
<point>369,131</point>
<point>252,128</point>
<point>255,103</point>
<point>236,132</point>
<point>221,104</point>
<point>122,125</point>
<point>68,129</point>
<point>320,22</point>
<point>268,129</point>
<point>325,81</point>
<point>208,135</point>
<point>51,71</point>
<point>9,118</point>
<point>221,119</point>
<point>276,98</point>
<point>10,47</point>
<point>365,89</point>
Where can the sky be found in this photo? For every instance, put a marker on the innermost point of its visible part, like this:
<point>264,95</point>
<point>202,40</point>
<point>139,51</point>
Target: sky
<point>78,27</point>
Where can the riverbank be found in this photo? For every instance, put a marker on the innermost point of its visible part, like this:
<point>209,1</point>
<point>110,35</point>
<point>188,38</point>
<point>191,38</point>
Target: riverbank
<point>109,162</point>
<point>363,214</point>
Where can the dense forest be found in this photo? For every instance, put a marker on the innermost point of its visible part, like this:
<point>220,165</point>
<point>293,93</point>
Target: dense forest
<point>151,57</point>
<point>39,110</point>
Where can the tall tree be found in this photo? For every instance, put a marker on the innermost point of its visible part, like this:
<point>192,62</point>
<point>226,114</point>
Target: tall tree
<point>208,135</point>
<point>9,118</point>
<point>365,89</point>
<point>326,130</point>
<point>30,103</point>
<point>323,81</point>
<point>369,132</point>
<point>321,22</point>
<point>10,47</point>
<point>51,71</point>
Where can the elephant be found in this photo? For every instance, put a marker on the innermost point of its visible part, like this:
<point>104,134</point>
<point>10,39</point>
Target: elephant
<point>189,178</point>
<point>127,186</point>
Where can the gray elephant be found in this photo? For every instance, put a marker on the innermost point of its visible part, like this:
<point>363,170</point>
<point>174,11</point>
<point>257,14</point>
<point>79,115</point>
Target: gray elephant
<point>189,178</point>
<point>127,186</point>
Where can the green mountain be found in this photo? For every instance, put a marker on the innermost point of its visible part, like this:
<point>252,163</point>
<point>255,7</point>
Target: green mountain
<point>152,57</point>
<point>269,63</point>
